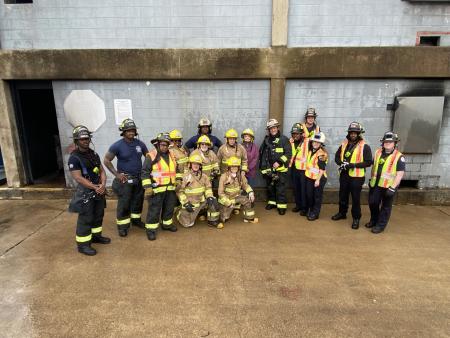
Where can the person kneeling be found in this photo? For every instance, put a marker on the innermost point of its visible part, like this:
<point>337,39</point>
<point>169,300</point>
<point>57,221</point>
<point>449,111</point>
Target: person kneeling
<point>195,194</point>
<point>234,190</point>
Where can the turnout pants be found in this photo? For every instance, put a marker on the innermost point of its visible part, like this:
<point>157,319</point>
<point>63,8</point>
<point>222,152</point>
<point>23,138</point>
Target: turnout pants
<point>314,196</point>
<point>161,207</point>
<point>244,202</point>
<point>350,186</point>
<point>299,185</point>
<point>129,203</point>
<point>187,219</point>
<point>276,191</point>
<point>380,206</point>
<point>90,221</point>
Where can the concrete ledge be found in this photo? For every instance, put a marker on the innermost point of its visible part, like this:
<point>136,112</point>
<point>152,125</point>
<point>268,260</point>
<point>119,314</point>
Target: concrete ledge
<point>404,196</point>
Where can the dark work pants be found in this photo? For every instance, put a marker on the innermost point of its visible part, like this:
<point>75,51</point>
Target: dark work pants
<point>314,196</point>
<point>299,185</point>
<point>380,206</point>
<point>130,201</point>
<point>276,191</point>
<point>350,186</point>
<point>161,207</point>
<point>90,220</point>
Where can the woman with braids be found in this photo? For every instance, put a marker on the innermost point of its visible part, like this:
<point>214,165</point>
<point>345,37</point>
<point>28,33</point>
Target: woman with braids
<point>89,199</point>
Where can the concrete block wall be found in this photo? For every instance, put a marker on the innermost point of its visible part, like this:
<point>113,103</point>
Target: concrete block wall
<point>363,22</point>
<point>163,105</point>
<point>65,24</point>
<point>339,102</point>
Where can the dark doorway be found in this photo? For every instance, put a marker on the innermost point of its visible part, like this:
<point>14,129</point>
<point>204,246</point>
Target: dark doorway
<point>38,131</point>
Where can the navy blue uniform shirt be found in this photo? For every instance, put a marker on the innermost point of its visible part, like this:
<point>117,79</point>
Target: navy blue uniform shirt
<point>90,166</point>
<point>129,156</point>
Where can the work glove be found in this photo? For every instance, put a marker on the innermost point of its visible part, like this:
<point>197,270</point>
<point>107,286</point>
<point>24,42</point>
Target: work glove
<point>251,197</point>
<point>390,192</point>
<point>351,166</point>
<point>189,207</point>
<point>212,203</point>
<point>343,166</point>
<point>148,192</point>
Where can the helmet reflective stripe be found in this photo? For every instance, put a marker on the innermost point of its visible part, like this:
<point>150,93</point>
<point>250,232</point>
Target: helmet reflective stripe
<point>231,133</point>
<point>318,137</point>
<point>204,122</point>
<point>272,123</point>
<point>127,124</point>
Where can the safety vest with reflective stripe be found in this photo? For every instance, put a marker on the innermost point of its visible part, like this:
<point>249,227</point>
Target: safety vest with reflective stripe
<point>307,133</point>
<point>162,173</point>
<point>388,171</point>
<point>299,154</point>
<point>357,157</point>
<point>312,163</point>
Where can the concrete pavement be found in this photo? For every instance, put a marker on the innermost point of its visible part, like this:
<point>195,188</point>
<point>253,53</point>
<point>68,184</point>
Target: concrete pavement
<point>282,277</point>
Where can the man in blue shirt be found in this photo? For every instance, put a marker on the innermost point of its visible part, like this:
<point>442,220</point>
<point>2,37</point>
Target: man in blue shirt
<point>127,182</point>
<point>204,128</point>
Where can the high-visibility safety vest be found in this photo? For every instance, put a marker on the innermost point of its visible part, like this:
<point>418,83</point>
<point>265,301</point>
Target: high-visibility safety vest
<point>163,173</point>
<point>388,171</point>
<point>312,163</point>
<point>307,133</point>
<point>357,157</point>
<point>299,155</point>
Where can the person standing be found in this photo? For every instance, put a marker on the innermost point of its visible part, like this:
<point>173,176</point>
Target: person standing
<point>179,152</point>
<point>204,129</point>
<point>310,126</point>
<point>274,156</point>
<point>387,172</point>
<point>316,175</point>
<point>231,148</point>
<point>298,166</point>
<point>158,180</point>
<point>248,142</point>
<point>353,157</point>
<point>89,199</point>
<point>127,178</point>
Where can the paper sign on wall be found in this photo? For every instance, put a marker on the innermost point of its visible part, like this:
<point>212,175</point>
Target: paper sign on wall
<point>122,110</point>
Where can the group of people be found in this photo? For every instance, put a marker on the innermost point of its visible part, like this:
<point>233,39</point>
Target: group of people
<point>177,179</point>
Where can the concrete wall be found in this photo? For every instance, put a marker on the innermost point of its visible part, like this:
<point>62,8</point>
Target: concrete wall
<point>65,24</point>
<point>340,102</point>
<point>363,22</point>
<point>164,105</point>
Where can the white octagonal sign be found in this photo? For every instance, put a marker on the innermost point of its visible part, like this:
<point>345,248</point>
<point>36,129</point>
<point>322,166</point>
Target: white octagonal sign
<point>86,108</point>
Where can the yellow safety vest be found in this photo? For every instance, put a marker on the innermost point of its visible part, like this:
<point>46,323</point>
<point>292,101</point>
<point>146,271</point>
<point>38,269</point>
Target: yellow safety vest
<point>389,170</point>
<point>312,164</point>
<point>299,154</point>
<point>164,173</point>
<point>307,133</point>
<point>357,157</point>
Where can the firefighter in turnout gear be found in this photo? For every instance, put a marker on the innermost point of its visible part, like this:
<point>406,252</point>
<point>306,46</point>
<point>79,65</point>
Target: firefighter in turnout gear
<point>234,189</point>
<point>89,198</point>
<point>232,149</point>
<point>158,180</point>
<point>179,153</point>
<point>127,178</point>
<point>387,172</point>
<point>210,164</point>
<point>274,158</point>
<point>352,157</point>
<point>316,175</point>
<point>297,164</point>
<point>310,126</point>
<point>195,194</point>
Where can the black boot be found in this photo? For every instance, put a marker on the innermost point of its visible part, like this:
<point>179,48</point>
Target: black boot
<point>151,235</point>
<point>172,228</point>
<point>137,223</point>
<point>338,216</point>
<point>303,213</point>
<point>355,224</point>
<point>312,217</point>
<point>377,229</point>
<point>281,211</point>
<point>123,232</point>
<point>100,239</point>
<point>270,206</point>
<point>87,250</point>
<point>369,225</point>
<point>295,209</point>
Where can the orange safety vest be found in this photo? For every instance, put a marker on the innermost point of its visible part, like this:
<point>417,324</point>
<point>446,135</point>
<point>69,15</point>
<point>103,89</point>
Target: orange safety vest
<point>312,164</point>
<point>163,173</point>
<point>299,155</point>
<point>357,157</point>
<point>307,133</point>
<point>389,170</point>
